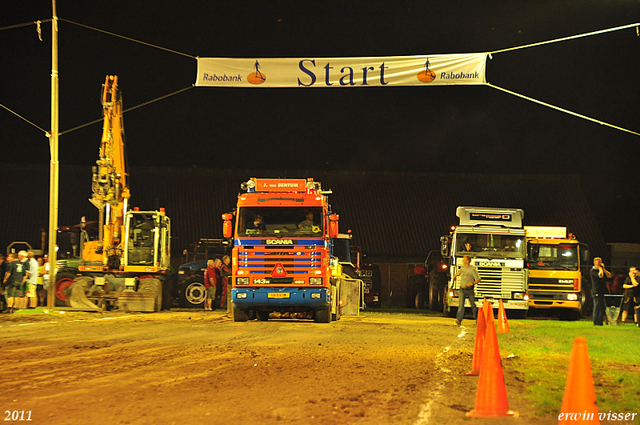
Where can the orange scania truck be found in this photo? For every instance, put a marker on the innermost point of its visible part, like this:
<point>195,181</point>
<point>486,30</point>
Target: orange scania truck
<point>283,231</point>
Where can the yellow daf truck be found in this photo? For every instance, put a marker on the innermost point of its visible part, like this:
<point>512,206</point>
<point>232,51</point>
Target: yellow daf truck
<point>555,281</point>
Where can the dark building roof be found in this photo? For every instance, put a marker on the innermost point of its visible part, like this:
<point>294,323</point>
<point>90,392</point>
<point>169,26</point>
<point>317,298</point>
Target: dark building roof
<point>393,216</point>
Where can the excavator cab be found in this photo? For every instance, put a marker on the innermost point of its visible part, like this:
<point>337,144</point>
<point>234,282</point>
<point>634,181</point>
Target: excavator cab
<point>148,238</point>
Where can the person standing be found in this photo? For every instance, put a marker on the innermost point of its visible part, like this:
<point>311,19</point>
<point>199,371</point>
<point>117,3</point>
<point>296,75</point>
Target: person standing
<point>217,268</point>
<point>42,293</point>
<point>599,275</point>
<point>3,286</point>
<point>3,300</point>
<point>32,284</point>
<point>225,272</point>
<point>210,285</point>
<point>469,277</point>
<point>631,295</point>
<point>14,279</point>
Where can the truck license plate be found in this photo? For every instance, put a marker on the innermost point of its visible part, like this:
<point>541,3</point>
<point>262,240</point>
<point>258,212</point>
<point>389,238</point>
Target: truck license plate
<point>278,295</point>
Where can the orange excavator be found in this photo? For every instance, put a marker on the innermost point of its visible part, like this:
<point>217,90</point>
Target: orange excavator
<point>126,265</point>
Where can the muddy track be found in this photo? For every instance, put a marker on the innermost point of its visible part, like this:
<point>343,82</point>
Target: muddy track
<point>200,367</point>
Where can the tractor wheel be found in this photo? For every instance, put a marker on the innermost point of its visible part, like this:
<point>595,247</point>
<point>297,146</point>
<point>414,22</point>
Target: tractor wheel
<point>435,297</point>
<point>64,281</point>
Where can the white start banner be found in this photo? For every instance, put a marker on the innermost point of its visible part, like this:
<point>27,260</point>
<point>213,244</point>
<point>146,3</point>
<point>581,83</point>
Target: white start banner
<point>428,70</point>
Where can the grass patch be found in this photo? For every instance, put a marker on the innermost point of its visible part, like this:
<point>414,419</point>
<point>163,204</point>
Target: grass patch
<point>542,351</point>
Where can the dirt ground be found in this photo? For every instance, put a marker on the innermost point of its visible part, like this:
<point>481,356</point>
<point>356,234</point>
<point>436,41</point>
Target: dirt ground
<point>197,367</point>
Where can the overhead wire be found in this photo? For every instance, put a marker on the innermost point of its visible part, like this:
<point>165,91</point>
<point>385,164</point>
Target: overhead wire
<point>573,37</point>
<point>128,38</point>
<point>26,24</point>
<point>557,40</point>
<point>557,108</point>
<point>128,110</point>
<point>24,119</point>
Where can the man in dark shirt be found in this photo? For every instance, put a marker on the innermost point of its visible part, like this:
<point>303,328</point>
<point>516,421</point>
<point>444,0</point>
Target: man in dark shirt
<point>599,275</point>
<point>14,280</point>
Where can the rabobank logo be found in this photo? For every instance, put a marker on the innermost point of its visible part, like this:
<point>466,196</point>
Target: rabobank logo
<point>222,78</point>
<point>427,75</point>
<point>256,77</point>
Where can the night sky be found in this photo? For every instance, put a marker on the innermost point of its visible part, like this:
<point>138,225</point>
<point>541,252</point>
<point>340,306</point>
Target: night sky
<point>470,129</point>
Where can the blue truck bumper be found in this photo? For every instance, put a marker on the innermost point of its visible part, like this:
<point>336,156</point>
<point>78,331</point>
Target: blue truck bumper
<point>314,298</point>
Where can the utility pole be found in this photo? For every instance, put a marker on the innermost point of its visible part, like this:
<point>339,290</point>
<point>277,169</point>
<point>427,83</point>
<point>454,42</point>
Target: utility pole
<point>53,165</point>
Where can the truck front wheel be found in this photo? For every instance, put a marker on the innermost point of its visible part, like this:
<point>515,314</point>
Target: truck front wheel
<point>239,315</point>
<point>323,316</point>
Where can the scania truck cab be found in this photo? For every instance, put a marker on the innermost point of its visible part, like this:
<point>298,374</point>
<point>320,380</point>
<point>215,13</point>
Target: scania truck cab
<point>495,241</point>
<point>282,255</point>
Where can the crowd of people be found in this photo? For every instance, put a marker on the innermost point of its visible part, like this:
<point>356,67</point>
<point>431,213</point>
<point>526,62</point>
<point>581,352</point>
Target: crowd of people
<point>218,284</point>
<point>24,281</point>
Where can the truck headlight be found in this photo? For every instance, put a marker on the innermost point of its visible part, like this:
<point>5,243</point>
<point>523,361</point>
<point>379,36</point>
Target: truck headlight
<point>518,296</point>
<point>315,295</point>
<point>572,297</point>
<point>315,281</point>
<point>242,281</point>
<point>241,295</point>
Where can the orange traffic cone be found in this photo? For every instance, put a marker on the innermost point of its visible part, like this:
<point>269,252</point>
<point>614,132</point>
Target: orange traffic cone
<point>481,328</point>
<point>491,397</point>
<point>488,310</point>
<point>579,403</point>
<point>503,325</point>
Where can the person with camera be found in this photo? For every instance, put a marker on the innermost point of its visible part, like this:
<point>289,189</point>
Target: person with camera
<point>631,295</point>
<point>599,275</point>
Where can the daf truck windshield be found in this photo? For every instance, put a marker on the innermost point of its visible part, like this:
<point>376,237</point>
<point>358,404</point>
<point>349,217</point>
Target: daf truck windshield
<point>552,256</point>
<point>490,245</point>
<point>280,221</point>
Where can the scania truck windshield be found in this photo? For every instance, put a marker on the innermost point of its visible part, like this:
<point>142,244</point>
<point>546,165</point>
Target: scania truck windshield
<point>280,221</point>
<point>489,245</point>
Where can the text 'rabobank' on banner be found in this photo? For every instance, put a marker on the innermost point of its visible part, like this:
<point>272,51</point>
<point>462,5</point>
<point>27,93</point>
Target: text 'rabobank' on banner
<point>428,70</point>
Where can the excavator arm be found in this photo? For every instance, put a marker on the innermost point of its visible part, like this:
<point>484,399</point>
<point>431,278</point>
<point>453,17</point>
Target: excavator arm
<point>110,183</point>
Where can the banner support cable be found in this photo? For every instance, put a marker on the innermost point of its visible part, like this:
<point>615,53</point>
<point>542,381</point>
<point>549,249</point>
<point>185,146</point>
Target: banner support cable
<point>557,108</point>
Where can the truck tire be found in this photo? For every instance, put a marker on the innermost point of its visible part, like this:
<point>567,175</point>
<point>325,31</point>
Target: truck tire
<point>262,315</point>
<point>336,316</point>
<point>570,315</point>
<point>322,316</point>
<point>193,293</point>
<point>239,315</point>
<point>586,302</point>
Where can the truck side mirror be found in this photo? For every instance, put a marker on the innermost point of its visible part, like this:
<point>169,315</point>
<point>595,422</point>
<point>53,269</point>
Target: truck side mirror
<point>445,245</point>
<point>584,254</point>
<point>227,226</point>
<point>333,226</point>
